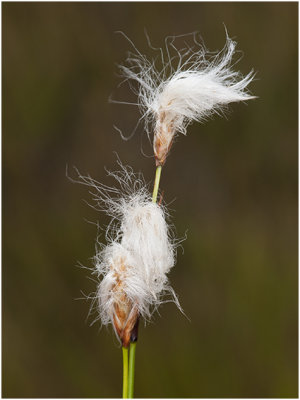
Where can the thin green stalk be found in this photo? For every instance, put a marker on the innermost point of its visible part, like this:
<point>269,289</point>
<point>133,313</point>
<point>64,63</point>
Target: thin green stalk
<point>132,348</point>
<point>131,370</point>
<point>156,184</point>
<point>125,372</point>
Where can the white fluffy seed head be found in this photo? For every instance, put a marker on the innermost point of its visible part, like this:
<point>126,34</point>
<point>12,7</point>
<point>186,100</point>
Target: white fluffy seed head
<point>145,233</point>
<point>191,86</point>
<point>141,250</point>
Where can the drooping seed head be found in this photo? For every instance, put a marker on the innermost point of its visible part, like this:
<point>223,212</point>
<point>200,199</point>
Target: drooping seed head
<point>192,85</point>
<point>133,265</point>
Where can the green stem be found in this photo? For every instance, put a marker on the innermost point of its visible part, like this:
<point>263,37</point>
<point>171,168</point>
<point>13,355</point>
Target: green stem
<point>131,370</point>
<point>125,372</point>
<point>129,367</point>
<point>156,184</point>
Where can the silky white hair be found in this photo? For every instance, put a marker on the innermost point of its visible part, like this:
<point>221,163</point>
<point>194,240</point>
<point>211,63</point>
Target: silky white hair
<point>191,85</point>
<point>141,247</point>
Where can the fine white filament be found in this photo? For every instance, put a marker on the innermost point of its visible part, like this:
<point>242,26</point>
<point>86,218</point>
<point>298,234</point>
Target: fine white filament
<point>133,266</point>
<point>191,85</point>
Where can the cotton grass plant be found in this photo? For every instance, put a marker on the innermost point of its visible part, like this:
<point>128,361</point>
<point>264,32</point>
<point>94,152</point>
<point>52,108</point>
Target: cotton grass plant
<point>191,84</point>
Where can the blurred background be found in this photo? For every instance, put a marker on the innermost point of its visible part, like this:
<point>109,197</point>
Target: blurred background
<point>232,185</point>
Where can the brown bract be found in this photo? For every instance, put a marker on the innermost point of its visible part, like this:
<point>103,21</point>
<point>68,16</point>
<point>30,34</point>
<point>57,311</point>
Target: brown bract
<point>125,318</point>
<point>163,139</point>
<point>125,312</point>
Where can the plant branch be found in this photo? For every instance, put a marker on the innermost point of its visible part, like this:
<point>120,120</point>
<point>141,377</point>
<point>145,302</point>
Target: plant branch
<point>156,184</point>
<point>125,372</point>
<point>131,369</point>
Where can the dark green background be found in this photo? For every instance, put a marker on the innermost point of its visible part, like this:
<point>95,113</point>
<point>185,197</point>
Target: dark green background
<point>234,182</point>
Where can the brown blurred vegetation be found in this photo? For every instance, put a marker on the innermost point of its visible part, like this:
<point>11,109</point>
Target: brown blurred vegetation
<point>234,182</point>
